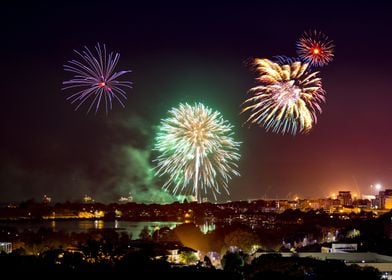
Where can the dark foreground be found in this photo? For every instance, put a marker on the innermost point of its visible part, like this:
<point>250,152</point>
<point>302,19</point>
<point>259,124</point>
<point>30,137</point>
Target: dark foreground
<point>137,265</point>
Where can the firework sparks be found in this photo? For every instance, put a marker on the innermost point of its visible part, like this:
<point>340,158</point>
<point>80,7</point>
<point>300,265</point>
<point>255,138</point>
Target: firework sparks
<point>95,79</point>
<point>287,99</point>
<point>315,48</point>
<point>196,151</point>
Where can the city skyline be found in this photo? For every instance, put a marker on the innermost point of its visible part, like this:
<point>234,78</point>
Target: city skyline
<point>190,53</point>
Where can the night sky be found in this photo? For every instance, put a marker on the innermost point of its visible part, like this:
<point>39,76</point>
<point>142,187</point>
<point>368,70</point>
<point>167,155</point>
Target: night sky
<point>186,53</point>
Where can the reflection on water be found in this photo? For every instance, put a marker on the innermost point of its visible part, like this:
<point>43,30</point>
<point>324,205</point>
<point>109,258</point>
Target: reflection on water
<point>99,224</point>
<point>207,227</point>
<point>81,225</point>
<point>130,227</point>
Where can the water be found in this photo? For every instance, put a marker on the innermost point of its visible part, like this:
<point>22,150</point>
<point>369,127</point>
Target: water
<point>130,227</point>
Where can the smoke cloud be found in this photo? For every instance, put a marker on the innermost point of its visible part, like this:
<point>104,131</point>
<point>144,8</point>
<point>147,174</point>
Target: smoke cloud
<point>112,158</point>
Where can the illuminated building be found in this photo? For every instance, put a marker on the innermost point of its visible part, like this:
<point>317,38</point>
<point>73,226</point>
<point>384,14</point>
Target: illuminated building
<point>384,199</point>
<point>362,203</point>
<point>6,247</point>
<point>381,199</point>
<point>388,199</point>
<point>173,256</point>
<point>129,198</point>
<point>345,198</point>
<point>88,199</point>
<point>314,204</point>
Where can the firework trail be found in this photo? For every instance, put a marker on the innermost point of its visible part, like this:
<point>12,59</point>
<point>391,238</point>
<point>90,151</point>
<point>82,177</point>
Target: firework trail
<point>196,151</point>
<point>315,48</point>
<point>287,99</point>
<point>95,80</point>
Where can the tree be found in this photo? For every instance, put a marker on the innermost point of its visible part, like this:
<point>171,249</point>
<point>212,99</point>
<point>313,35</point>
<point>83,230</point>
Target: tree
<point>234,262</point>
<point>242,239</point>
<point>91,248</point>
<point>207,262</point>
<point>145,234</point>
<point>125,239</point>
<point>188,257</point>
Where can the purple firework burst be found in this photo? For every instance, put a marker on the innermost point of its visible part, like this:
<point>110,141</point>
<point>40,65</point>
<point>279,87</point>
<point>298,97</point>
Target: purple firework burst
<point>95,79</point>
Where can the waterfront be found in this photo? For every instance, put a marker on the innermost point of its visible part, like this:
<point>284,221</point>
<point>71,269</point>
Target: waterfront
<point>131,227</point>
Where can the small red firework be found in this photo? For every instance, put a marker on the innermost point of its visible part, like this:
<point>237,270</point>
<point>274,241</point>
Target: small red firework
<point>315,48</point>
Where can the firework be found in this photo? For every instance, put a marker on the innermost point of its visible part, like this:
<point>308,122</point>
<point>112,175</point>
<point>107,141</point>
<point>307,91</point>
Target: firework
<point>315,48</point>
<point>197,151</point>
<point>287,99</point>
<point>94,79</point>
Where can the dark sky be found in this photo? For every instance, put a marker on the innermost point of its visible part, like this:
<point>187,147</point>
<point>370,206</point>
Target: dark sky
<point>190,52</point>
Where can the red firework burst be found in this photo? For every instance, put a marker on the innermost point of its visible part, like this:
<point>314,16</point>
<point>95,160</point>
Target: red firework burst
<point>315,48</point>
